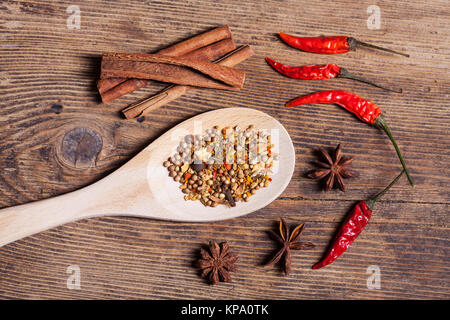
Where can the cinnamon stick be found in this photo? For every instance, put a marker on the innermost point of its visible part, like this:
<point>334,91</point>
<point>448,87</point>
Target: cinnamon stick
<point>198,41</point>
<point>178,70</point>
<point>175,91</point>
<point>177,49</point>
<point>210,52</point>
<point>103,85</point>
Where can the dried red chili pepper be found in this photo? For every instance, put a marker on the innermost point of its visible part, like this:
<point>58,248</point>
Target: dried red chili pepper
<point>352,227</point>
<point>330,45</point>
<point>364,109</point>
<point>320,72</point>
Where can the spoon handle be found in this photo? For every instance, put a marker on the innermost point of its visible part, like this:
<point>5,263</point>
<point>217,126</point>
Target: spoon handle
<point>125,192</point>
<point>27,219</point>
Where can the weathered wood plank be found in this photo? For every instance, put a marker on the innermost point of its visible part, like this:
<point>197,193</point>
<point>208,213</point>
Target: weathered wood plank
<point>44,65</point>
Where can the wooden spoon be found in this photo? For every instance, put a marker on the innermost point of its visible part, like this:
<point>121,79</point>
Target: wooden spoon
<point>142,187</point>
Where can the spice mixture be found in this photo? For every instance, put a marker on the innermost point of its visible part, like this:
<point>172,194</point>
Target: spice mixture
<point>223,166</point>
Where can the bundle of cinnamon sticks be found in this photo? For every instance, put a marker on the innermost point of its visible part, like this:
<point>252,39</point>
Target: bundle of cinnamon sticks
<point>185,65</point>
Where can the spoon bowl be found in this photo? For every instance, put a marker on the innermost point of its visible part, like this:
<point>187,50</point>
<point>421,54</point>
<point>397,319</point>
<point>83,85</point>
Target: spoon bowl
<point>142,187</point>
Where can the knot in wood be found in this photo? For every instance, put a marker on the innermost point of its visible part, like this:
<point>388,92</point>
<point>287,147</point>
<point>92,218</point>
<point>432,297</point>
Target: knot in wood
<point>80,147</point>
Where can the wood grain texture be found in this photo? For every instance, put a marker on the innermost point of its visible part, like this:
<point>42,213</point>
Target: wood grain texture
<point>55,137</point>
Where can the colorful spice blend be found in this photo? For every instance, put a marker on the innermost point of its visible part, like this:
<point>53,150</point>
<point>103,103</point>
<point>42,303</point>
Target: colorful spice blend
<point>223,166</point>
<point>365,110</point>
<point>320,72</point>
<point>330,44</point>
<point>352,227</point>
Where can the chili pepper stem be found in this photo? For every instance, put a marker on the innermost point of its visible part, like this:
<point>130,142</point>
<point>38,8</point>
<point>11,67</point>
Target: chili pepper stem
<point>353,43</point>
<point>380,122</point>
<point>346,74</point>
<point>370,203</point>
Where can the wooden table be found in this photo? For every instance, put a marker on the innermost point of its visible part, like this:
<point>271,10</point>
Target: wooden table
<point>56,137</point>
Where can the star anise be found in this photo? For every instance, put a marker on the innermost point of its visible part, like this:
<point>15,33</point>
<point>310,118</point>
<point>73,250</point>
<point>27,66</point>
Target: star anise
<point>334,170</point>
<point>217,262</point>
<point>288,243</point>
